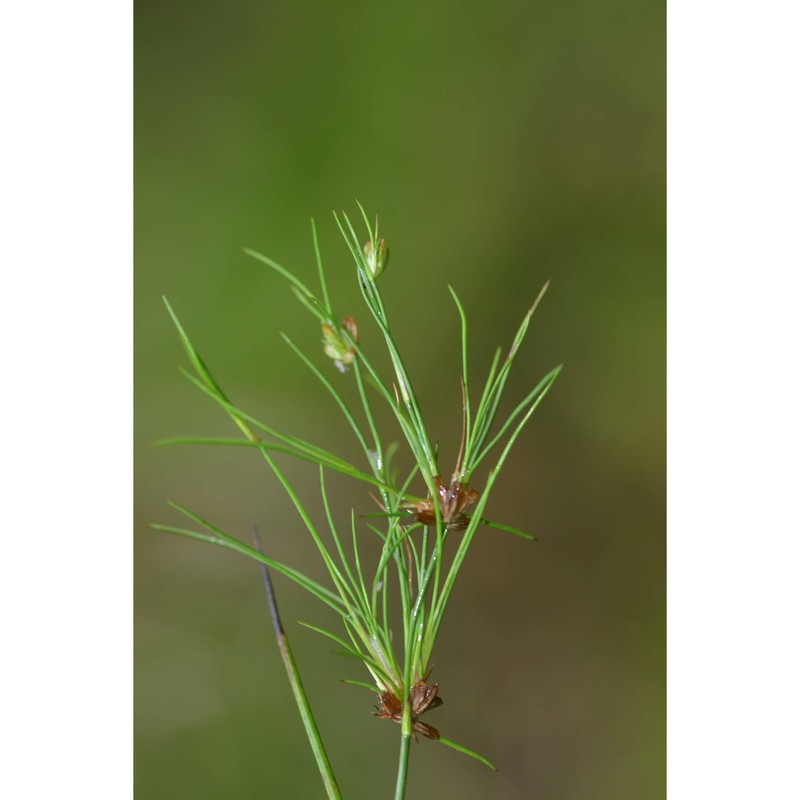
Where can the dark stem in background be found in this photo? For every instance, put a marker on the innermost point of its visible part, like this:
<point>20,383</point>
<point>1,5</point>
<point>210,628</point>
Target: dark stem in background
<point>325,769</point>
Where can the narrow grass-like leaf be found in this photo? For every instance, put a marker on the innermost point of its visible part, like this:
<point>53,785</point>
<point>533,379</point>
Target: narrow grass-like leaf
<point>372,233</point>
<point>467,752</point>
<point>358,256</point>
<point>372,297</point>
<point>313,305</point>
<point>290,276</point>
<point>332,527</point>
<point>353,652</point>
<point>355,587</point>
<point>369,686</point>
<point>320,270</point>
<point>466,540</point>
<point>391,546</point>
<point>207,382</point>
<point>417,566</point>
<point>487,391</point>
<point>543,386</point>
<point>177,441</point>
<point>484,422</point>
<point>331,390</point>
<point>464,374</point>
<point>343,469</point>
<point>356,555</point>
<point>243,416</point>
<point>320,592</point>
<point>346,592</point>
<point>194,356</point>
<point>209,386</point>
<point>380,463</point>
<point>306,297</point>
<point>417,641</point>
<point>381,653</point>
<point>318,454</point>
<point>510,529</point>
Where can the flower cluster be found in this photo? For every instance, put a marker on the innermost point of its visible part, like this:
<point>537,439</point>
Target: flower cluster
<point>335,345</point>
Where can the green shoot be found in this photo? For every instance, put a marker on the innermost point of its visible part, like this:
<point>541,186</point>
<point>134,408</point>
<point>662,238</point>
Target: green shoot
<point>417,545</point>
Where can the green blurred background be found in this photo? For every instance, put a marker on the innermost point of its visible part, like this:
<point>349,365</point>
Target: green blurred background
<point>501,145</point>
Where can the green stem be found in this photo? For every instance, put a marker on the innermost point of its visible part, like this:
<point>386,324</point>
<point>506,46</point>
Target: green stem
<point>409,630</point>
<point>303,706</point>
<point>405,748</point>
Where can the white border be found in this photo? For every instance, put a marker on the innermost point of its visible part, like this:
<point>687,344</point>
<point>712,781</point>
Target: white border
<point>66,338</point>
<point>65,570</point>
<point>733,400</point>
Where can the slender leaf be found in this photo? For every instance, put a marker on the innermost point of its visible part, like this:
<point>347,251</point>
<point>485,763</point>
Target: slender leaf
<point>467,752</point>
<point>369,686</point>
<point>280,270</point>
<point>320,592</point>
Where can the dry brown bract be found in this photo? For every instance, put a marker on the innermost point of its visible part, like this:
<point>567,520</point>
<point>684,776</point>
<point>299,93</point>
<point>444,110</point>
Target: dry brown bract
<point>455,503</point>
<point>424,696</point>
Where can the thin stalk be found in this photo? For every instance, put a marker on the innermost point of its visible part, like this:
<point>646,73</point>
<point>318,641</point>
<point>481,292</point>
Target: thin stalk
<point>543,384</point>
<point>373,300</point>
<point>406,390</point>
<point>405,749</point>
<point>405,599</point>
<point>438,555</point>
<point>340,550</point>
<point>424,556</point>
<point>378,465</point>
<point>357,559</point>
<point>303,706</point>
<point>322,312</point>
<point>416,658</point>
<point>384,588</point>
<point>322,594</point>
<point>464,373</point>
<point>498,388</point>
<point>320,269</point>
<point>341,468</point>
<point>331,390</point>
<point>483,401</point>
<point>241,419</point>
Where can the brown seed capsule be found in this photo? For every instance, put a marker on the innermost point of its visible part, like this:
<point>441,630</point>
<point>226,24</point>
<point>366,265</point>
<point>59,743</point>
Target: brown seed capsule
<point>423,696</point>
<point>455,503</point>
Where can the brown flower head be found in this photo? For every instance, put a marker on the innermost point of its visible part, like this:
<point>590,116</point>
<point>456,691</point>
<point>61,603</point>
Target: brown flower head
<point>424,696</point>
<point>455,503</point>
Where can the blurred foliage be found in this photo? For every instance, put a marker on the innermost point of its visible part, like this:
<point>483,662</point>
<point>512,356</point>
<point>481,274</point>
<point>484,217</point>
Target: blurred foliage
<point>501,145</point>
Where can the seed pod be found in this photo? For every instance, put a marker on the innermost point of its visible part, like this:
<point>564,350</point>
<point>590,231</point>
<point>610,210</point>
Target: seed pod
<point>377,258</point>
